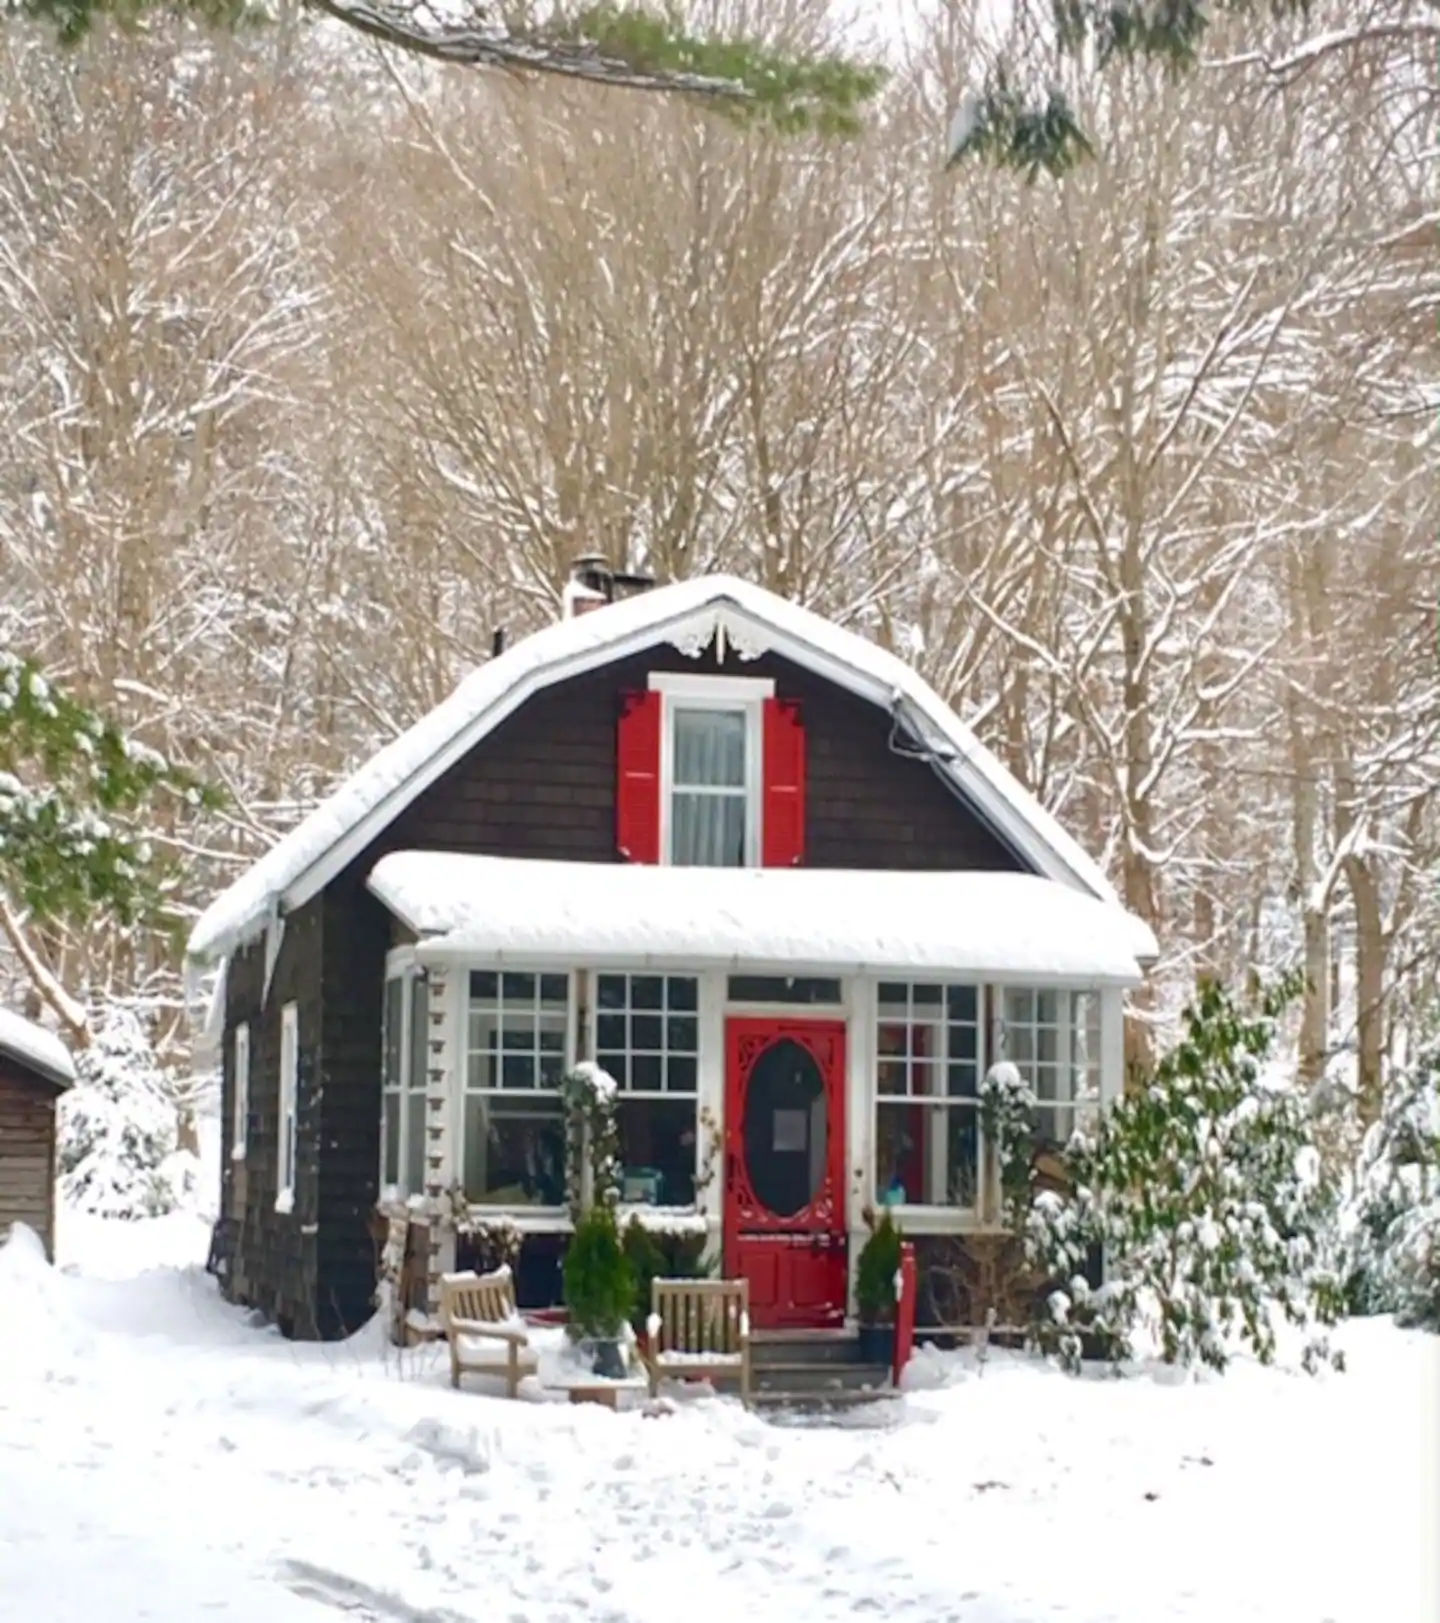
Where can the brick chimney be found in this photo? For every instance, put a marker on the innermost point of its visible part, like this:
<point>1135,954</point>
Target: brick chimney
<point>593,584</point>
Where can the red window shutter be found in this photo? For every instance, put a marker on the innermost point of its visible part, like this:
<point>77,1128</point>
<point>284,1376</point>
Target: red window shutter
<point>783,827</point>
<point>637,778</point>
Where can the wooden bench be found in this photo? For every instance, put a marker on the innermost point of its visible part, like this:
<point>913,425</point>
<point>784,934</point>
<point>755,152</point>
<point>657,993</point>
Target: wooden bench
<point>700,1327</point>
<point>486,1334</point>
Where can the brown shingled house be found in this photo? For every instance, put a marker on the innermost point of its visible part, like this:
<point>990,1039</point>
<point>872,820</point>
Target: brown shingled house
<point>35,1069</point>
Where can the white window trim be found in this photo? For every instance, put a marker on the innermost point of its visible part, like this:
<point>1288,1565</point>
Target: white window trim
<point>240,1072</point>
<point>288,1116</point>
<point>1064,1034</point>
<point>529,1219</point>
<point>745,695</point>
<point>592,1047</point>
<point>917,1214</point>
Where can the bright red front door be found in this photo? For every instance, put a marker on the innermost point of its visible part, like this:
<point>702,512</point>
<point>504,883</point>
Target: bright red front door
<point>785,1169</point>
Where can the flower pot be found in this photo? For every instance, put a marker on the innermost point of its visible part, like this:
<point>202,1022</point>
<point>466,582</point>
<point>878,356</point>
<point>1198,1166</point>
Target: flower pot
<point>609,1359</point>
<point>877,1343</point>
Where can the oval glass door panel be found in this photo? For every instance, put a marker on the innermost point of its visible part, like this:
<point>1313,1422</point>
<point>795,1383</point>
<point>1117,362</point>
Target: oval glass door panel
<point>786,1128</point>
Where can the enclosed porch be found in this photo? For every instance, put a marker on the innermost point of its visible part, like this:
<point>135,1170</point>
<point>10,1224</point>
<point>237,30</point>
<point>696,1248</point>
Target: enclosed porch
<point>790,1049</point>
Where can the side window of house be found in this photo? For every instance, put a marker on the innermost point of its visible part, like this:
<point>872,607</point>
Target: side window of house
<point>710,773</point>
<point>289,1107</point>
<point>1053,1038</point>
<point>513,1151</point>
<point>241,1080</point>
<point>404,1074</point>
<point>647,1037</point>
<point>928,1070</point>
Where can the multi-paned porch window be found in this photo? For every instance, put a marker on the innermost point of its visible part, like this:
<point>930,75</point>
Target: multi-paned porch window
<point>517,1031</point>
<point>1053,1039</point>
<point>647,1036</point>
<point>928,1070</point>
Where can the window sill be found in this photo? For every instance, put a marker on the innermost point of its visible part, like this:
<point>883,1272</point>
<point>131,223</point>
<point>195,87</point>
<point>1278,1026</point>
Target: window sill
<point>943,1220</point>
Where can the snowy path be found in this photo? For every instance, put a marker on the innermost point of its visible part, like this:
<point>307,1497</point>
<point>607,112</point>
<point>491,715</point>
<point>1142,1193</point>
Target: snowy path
<point>183,1465</point>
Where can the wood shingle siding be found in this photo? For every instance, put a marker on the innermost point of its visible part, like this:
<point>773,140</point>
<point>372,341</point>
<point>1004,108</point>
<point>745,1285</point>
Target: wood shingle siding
<point>27,1153</point>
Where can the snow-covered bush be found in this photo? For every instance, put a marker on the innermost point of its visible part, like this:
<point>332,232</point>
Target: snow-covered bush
<point>1390,1221</point>
<point>1204,1189</point>
<point>116,1145</point>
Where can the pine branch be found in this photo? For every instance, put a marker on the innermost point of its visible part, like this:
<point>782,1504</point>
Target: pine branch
<point>624,46</point>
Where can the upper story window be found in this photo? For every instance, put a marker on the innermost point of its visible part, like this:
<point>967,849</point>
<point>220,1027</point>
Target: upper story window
<point>711,773</point>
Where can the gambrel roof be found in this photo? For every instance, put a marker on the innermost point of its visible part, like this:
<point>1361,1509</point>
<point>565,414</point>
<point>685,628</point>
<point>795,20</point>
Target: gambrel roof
<point>689,615</point>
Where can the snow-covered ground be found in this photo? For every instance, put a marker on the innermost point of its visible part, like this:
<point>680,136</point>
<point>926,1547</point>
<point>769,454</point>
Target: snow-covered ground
<point>161,1458</point>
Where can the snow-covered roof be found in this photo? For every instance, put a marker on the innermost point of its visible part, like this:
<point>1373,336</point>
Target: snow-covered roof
<point>525,912</point>
<point>687,615</point>
<point>39,1050</point>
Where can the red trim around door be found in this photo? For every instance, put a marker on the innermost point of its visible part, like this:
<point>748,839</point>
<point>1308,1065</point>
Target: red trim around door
<point>781,1155</point>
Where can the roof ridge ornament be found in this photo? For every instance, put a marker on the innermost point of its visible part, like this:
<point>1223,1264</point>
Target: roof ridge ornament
<point>727,631</point>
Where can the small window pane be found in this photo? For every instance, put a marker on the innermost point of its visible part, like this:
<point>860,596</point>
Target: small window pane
<point>617,1065</point>
<point>964,1081</point>
<point>610,991</point>
<point>784,989</point>
<point>419,1032</point>
<point>927,996</point>
<point>893,996</point>
<point>1047,1041</point>
<point>552,1069</point>
<point>394,1032</point>
<point>961,1002</point>
<point>892,1076</point>
<point>415,1144</point>
<point>610,1032</point>
<point>681,1075</point>
<point>1020,1006</point>
<point>645,1073</point>
<point>962,1042</point>
<point>709,748</point>
<point>518,1071</point>
<point>893,1039</point>
<point>484,1031</point>
<point>681,992</point>
<point>517,1037</point>
<point>1047,1008</point>
<point>647,992</point>
<point>483,1071</point>
<point>391,1173</point>
<point>518,988</point>
<point>484,986</point>
<point>924,1079</point>
<point>554,989</point>
<point>922,1041</point>
<point>708,831</point>
<point>682,1034</point>
<point>645,1030</point>
<point>552,1040</point>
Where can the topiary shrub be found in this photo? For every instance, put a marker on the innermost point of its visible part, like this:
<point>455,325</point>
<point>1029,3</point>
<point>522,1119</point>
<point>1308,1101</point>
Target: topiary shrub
<point>599,1279</point>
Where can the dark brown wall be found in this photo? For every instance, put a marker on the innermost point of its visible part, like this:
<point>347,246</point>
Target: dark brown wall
<point>541,785</point>
<point>274,1259</point>
<point>27,1153</point>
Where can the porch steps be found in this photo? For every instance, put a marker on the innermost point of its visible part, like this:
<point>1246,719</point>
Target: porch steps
<point>814,1370</point>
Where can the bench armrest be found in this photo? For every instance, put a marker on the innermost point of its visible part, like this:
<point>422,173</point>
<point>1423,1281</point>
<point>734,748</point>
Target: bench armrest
<point>496,1332</point>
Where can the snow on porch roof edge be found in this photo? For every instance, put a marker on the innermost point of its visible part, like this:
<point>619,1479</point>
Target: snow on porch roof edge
<point>859,921</point>
<point>36,1048</point>
<point>304,859</point>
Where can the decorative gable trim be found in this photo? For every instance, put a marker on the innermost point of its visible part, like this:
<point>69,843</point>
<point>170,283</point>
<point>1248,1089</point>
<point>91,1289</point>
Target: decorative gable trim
<point>728,632</point>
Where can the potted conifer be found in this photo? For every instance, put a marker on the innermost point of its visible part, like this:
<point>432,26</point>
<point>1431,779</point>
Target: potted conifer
<point>875,1292</point>
<point>599,1290</point>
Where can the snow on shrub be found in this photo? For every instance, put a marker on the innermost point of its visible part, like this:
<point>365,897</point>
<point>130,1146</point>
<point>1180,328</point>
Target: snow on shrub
<point>1390,1221</point>
<point>1204,1189</point>
<point>116,1149</point>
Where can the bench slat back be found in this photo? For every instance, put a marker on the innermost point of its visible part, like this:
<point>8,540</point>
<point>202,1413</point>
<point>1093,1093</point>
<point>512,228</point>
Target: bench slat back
<point>487,1298</point>
<point>701,1315</point>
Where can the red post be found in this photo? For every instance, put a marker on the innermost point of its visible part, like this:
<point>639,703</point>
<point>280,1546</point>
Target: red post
<point>905,1311</point>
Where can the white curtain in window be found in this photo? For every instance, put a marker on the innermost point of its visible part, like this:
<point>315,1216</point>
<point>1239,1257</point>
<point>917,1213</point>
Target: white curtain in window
<point>708,804</point>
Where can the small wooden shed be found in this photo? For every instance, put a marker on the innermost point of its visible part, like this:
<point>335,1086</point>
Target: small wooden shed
<point>35,1069</point>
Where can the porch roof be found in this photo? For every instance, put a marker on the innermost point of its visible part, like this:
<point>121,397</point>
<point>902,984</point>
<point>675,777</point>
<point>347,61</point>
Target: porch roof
<point>511,910</point>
